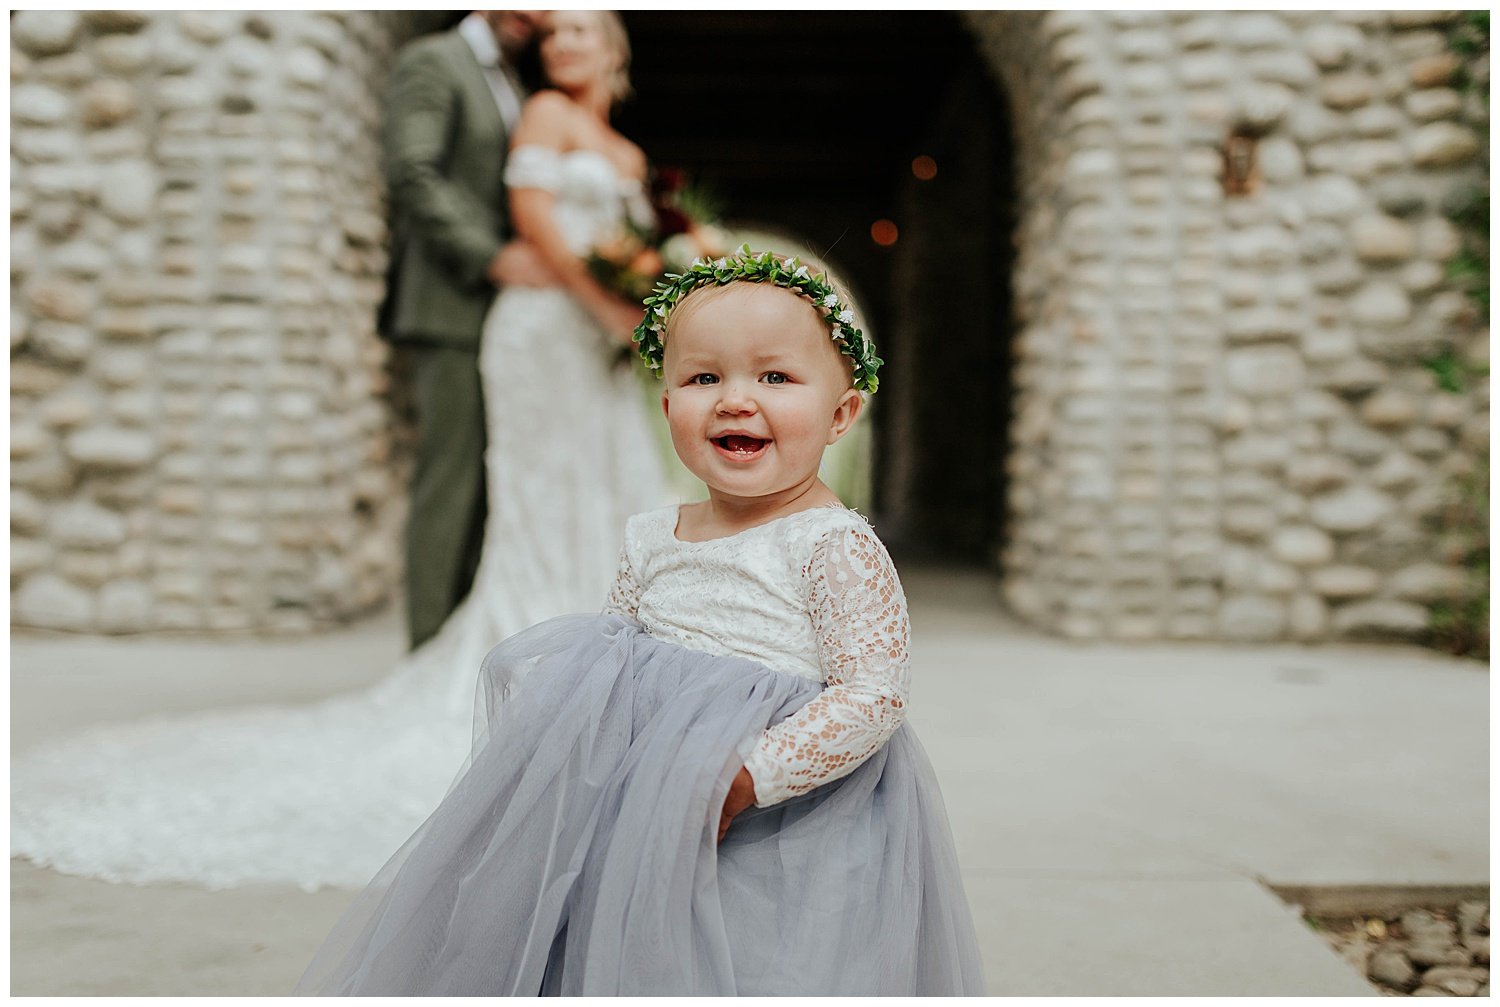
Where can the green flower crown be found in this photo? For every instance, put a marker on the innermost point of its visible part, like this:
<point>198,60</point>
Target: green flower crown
<point>746,266</point>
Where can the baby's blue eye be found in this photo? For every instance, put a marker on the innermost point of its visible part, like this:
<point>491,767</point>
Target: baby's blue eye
<point>776,378</point>
<point>704,379</point>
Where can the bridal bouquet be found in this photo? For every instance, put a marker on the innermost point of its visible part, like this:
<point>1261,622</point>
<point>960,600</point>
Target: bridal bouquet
<point>683,229</point>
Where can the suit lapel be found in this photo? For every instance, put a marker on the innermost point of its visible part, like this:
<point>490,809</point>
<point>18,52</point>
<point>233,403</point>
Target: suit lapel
<point>480,99</point>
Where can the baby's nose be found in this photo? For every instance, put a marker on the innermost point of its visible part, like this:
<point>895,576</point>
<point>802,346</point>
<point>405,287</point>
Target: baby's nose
<point>733,400</point>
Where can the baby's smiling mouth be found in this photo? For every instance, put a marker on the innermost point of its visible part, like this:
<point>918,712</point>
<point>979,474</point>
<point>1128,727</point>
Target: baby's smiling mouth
<point>740,444</point>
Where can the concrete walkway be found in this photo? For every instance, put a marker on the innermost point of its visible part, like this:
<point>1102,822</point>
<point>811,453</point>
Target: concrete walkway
<point>1119,809</point>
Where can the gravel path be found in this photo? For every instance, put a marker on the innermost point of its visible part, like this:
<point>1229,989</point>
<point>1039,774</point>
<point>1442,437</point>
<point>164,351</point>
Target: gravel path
<point>1439,951</point>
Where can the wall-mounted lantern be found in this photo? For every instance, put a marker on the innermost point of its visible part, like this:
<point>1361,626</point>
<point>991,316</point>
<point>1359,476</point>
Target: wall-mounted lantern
<point>1241,165</point>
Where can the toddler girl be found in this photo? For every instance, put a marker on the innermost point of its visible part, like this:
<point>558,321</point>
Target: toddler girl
<point>708,789</point>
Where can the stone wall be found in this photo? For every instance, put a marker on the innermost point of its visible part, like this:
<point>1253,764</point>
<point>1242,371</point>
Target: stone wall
<point>1224,426</point>
<point>198,439</point>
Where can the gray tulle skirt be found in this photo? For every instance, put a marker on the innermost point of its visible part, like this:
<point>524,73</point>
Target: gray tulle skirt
<point>576,853</point>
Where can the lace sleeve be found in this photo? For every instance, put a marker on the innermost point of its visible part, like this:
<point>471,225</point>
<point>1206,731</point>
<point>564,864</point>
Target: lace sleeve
<point>532,166</point>
<point>858,612</point>
<point>625,595</point>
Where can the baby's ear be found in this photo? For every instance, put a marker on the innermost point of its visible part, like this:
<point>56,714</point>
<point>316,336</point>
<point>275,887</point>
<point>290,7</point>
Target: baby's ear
<point>845,412</point>
<point>664,405</point>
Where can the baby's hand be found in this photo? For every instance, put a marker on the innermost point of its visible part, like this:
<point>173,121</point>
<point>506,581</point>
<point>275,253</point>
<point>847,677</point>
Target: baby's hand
<point>741,796</point>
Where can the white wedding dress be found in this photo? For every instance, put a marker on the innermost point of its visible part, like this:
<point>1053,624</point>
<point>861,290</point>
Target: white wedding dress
<point>322,795</point>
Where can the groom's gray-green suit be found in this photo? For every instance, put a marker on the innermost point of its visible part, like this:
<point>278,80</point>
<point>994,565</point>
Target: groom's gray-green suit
<point>445,146</point>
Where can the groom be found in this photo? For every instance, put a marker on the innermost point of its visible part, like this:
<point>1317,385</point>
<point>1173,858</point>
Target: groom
<point>452,101</point>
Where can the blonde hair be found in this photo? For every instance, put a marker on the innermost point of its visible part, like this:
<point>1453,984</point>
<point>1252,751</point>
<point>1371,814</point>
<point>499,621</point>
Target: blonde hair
<point>618,39</point>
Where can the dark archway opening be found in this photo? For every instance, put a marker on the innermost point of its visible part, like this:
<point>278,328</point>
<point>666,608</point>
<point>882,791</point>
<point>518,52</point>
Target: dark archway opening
<point>811,121</point>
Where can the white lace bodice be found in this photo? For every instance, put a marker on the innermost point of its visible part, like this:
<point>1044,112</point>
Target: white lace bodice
<point>592,199</point>
<point>812,594</point>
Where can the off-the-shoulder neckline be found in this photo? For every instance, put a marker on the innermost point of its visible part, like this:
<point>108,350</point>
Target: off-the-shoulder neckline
<point>626,181</point>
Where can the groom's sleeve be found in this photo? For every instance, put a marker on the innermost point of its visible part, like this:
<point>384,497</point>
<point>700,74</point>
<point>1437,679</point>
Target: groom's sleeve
<point>421,106</point>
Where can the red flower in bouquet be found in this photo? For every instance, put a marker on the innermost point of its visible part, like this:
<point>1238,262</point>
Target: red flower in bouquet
<point>667,186</point>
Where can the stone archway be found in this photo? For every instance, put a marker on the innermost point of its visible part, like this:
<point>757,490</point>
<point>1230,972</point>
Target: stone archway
<point>1223,420</point>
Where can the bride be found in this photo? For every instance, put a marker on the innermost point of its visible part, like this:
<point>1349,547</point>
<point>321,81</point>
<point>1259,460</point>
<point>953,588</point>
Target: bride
<point>320,795</point>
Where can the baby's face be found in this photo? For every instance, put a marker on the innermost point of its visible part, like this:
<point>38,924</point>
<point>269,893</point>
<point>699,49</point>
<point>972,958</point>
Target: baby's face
<point>755,390</point>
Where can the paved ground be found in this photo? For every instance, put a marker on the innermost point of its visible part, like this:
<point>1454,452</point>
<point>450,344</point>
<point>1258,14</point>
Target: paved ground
<point>1117,808</point>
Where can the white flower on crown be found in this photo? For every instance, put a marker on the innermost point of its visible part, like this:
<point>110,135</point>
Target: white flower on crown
<point>831,301</point>
<point>788,264</point>
<point>846,316</point>
<point>802,273</point>
<point>720,263</point>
